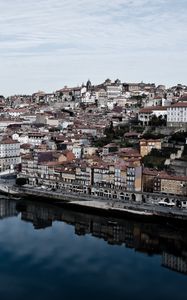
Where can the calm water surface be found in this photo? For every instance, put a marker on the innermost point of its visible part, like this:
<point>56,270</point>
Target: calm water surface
<point>53,253</point>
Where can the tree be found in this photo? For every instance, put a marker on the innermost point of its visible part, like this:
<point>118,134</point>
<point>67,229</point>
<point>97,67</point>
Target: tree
<point>109,131</point>
<point>157,121</point>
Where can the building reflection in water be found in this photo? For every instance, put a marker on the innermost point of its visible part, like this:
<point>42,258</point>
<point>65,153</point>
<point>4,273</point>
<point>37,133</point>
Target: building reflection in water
<point>7,208</point>
<point>166,240</point>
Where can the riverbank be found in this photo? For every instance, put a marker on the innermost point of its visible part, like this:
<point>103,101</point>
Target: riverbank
<point>105,206</point>
<point>138,211</point>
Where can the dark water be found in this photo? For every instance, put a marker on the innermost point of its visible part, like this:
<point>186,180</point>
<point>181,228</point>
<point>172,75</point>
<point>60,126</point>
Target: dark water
<point>53,253</point>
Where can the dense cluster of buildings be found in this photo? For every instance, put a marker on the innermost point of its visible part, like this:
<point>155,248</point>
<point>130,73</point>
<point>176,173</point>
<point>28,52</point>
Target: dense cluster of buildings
<point>65,140</point>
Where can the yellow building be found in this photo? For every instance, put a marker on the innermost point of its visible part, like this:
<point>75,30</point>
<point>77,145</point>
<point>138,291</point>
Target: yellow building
<point>174,185</point>
<point>147,145</point>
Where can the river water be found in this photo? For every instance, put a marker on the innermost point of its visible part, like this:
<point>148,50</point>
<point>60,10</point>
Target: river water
<point>49,252</point>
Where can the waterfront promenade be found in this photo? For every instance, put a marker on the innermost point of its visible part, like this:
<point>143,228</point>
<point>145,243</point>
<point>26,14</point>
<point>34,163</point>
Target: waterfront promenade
<point>150,208</point>
<point>146,209</point>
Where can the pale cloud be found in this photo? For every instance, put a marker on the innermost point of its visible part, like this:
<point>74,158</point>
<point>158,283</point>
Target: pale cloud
<point>47,43</point>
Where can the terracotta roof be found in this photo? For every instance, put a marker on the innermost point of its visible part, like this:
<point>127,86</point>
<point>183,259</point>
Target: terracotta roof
<point>51,163</point>
<point>27,157</point>
<point>110,145</point>
<point>163,175</point>
<point>179,104</point>
<point>9,141</point>
<point>131,134</point>
<point>150,140</point>
<point>25,146</point>
<point>172,177</point>
<point>129,150</point>
<point>44,156</point>
<point>183,98</point>
<point>152,108</point>
<point>152,172</point>
<point>158,97</point>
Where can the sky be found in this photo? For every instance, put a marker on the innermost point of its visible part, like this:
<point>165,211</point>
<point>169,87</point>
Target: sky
<point>47,44</point>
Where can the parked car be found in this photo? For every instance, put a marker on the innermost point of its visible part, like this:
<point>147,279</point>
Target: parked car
<point>166,203</point>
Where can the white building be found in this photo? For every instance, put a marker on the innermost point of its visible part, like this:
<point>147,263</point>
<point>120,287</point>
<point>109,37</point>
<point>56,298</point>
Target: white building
<point>177,115</point>
<point>113,91</point>
<point>15,112</point>
<point>9,154</point>
<point>29,118</point>
<point>101,97</point>
<point>65,123</point>
<point>77,151</point>
<point>88,98</point>
<point>33,138</point>
<point>145,114</point>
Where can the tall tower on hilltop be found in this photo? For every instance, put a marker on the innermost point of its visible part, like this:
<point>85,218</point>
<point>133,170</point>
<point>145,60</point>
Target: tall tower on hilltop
<point>88,85</point>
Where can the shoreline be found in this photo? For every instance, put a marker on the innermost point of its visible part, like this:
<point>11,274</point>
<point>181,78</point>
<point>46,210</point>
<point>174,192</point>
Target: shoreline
<point>106,206</point>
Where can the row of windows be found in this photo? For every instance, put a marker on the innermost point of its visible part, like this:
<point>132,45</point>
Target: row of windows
<point>177,108</point>
<point>177,113</point>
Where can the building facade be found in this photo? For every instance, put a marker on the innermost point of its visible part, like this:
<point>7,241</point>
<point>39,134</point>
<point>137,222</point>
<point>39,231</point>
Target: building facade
<point>147,145</point>
<point>9,154</point>
<point>177,115</point>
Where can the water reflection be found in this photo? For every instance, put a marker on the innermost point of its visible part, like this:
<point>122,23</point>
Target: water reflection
<point>7,208</point>
<point>166,240</point>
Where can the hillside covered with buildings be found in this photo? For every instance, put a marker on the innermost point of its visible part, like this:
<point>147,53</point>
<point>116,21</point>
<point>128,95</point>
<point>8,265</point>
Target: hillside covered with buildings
<point>101,139</point>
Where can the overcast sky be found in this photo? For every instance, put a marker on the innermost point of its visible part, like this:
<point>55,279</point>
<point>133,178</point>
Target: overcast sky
<point>46,44</point>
